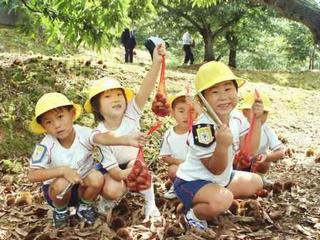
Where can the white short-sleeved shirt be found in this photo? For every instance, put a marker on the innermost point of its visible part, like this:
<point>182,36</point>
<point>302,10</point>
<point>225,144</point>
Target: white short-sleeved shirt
<point>268,140</point>
<point>112,156</point>
<point>49,153</point>
<point>174,144</point>
<point>193,169</point>
<point>187,39</point>
<point>156,40</point>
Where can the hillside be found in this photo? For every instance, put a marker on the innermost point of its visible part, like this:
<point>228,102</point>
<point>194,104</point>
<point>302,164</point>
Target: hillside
<point>291,214</point>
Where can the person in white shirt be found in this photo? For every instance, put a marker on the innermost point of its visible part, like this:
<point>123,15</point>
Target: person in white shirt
<point>188,43</point>
<point>152,42</point>
<point>174,145</point>
<point>63,159</point>
<point>271,148</point>
<point>117,109</point>
<point>206,182</point>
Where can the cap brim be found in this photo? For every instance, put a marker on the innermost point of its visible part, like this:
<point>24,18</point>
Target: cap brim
<point>37,128</point>
<point>127,91</point>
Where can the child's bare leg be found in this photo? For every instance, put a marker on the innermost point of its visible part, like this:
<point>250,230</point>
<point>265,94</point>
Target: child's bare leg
<point>93,184</point>
<point>245,184</point>
<point>172,170</point>
<point>87,194</point>
<point>211,200</point>
<point>112,189</point>
<point>56,187</point>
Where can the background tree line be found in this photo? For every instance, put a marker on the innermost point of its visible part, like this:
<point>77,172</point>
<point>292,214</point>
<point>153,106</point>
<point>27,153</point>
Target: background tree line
<point>245,33</point>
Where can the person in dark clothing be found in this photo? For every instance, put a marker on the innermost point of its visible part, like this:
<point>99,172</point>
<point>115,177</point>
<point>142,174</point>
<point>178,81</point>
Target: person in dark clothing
<point>129,42</point>
<point>188,42</point>
<point>151,42</point>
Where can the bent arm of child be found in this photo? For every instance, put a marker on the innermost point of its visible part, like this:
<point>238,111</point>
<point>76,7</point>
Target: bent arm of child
<point>171,160</point>
<point>276,155</point>
<point>150,80</point>
<point>257,111</point>
<point>43,174</point>
<point>111,138</point>
<point>218,161</point>
<point>118,174</point>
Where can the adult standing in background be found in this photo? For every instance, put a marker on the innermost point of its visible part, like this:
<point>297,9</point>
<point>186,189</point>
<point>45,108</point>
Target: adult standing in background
<point>188,42</point>
<point>129,42</point>
<point>152,41</point>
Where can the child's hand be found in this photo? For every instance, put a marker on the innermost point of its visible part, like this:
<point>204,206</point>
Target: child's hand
<point>72,176</point>
<point>261,158</point>
<point>137,139</point>
<point>158,52</point>
<point>125,173</point>
<point>257,106</point>
<point>224,136</point>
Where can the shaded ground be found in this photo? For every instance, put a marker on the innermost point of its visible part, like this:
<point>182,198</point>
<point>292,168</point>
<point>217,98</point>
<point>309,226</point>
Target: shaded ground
<point>286,215</point>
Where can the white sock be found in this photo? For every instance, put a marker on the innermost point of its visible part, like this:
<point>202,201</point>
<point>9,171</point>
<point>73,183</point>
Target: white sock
<point>149,196</point>
<point>190,214</point>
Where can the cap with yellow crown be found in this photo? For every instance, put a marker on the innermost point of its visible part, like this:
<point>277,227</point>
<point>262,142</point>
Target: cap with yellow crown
<point>102,85</point>
<point>48,102</point>
<point>212,73</point>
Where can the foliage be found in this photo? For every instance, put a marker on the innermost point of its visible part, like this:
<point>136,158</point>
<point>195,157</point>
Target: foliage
<point>93,23</point>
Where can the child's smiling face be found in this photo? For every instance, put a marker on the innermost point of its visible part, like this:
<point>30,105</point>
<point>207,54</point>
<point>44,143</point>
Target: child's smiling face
<point>222,97</point>
<point>112,103</point>
<point>181,113</point>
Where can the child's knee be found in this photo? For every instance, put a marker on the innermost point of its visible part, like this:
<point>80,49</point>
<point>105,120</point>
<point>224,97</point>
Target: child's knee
<point>58,186</point>
<point>95,179</point>
<point>223,202</point>
<point>113,192</point>
<point>257,182</point>
<point>172,172</point>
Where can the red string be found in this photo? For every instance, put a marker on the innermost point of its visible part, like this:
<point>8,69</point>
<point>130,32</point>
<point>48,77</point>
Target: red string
<point>153,128</point>
<point>243,158</point>
<point>190,115</point>
<point>161,87</point>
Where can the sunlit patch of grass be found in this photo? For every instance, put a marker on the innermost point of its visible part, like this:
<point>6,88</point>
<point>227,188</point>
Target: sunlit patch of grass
<point>306,80</point>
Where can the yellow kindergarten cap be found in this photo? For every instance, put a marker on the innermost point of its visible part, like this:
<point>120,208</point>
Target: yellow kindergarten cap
<point>102,85</point>
<point>48,102</point>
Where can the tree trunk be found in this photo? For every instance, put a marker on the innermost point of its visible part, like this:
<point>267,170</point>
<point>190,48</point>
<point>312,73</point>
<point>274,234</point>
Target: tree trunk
<point>232,41</point>
<point>311,61</point>
<point>301,11</point>
<point>208,45</point>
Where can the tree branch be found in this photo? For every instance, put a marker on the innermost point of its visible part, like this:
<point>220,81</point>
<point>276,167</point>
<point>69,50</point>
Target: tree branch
<point>181,14</point>
<point>237,17</point>
<point>30,8</point>
<point>301,11</point>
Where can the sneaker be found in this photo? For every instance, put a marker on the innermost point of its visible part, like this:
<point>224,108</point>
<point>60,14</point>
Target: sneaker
<point>60,218</point>
<point>152,212</point>
<point>87,213</point>
<point>266,182</point>
<point>170,194</point>
<point>105,205</point>
<point>194,222</point>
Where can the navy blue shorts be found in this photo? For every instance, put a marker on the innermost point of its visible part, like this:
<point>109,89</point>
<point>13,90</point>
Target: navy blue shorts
<point>74,200</point>
<point>100,168</point>
<point>186,190</point>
